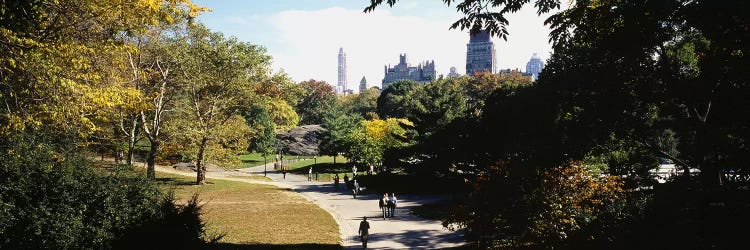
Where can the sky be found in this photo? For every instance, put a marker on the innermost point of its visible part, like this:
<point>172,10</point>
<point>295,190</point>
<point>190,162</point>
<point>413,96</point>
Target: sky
<point>304,36</point>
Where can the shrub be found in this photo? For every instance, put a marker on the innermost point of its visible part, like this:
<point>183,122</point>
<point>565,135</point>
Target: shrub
<point>50,199</point>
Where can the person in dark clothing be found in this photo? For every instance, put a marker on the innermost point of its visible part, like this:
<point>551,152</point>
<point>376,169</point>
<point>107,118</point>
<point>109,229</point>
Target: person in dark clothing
<point>364,231</point>
<point>346,182</point>
<point>336,182</point>
<point>383,203</point>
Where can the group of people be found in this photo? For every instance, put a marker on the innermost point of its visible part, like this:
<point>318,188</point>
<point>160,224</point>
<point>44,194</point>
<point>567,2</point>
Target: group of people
<point>388,205</point>
<point>351,184</point>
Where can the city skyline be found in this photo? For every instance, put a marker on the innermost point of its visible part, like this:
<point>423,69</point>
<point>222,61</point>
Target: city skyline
<point>303,39</point>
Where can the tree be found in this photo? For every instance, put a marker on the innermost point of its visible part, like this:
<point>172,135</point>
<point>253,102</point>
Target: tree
<point>338,125</point>
<point>372,138</point>
<point>363,103</point>
<point>265,140</point>
<point>317,99</point>
<point>392,101</point>
<point>218,77</point>
<point>630,81</point>
<point>61,62</point>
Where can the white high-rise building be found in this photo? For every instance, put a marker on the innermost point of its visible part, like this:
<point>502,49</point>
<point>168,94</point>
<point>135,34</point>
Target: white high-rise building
<point>341,86</point>
<point>534,66</point>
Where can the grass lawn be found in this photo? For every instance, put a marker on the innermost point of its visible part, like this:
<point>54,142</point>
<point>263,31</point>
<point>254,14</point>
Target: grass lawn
<point>318,160</point>
<point>248,160</point>
<point>257,216</point>
<point>325,168</point>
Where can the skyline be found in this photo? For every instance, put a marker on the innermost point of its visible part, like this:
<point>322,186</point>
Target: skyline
<point>304,40</point>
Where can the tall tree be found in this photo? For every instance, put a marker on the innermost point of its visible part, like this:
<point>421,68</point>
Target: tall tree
<point>218,77</point>
<point>317,99</point>
<point>364,104</point>
<point>392,101</point>
<point>338,125</point>
<point>265,140</point>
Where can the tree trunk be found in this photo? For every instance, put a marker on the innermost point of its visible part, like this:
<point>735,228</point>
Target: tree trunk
<point>151,159</point>
<point>334,160</point>
<point>200,167</point>
<point>117,154</point>
<point>132,140</point>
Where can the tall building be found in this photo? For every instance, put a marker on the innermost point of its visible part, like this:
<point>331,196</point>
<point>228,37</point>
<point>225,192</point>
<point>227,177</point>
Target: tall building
<point>480,53</point>
<point>534,66</point>
<point>341,86</point>
<point>424,72</point>
<point>362,85</point>
<point>453,72</point>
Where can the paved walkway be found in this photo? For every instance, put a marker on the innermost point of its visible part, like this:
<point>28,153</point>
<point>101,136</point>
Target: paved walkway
<point>402,231</point>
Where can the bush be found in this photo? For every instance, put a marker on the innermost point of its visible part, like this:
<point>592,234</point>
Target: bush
<point>55,200</point>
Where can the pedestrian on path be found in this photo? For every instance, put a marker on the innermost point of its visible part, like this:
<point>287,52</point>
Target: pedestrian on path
<point>346,182</point>
<point>392,204</point>
<point>336,182</point>
<point>309,174</point>
<point>383,203</point>
<point>354,171</point>
<point>364,231</point>
<point>355,190</point>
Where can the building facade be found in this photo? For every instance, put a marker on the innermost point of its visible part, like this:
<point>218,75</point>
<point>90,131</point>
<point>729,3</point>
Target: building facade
<point>341,86</point>
<point>363,85</point>
<point>480,54</point>
<point>424,72</point>
<point>534,66</point>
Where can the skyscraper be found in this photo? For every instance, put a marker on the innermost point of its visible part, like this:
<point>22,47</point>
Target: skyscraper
<point>534,66</point>
<point>341,87</point>
<point>362,85</point>
<point>480,53</point>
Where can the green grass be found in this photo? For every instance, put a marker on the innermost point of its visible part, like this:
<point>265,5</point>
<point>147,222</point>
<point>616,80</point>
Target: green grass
<point>325,168</point>
<point>256,215</point>
<point>317,160</point>
<point>247,161</point>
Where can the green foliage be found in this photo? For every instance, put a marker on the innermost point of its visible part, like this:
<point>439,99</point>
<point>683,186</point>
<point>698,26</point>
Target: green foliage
<point>433,106</point>
<point>363,103</point>
<point>392,102</point>
<point>628,82</point>
<point>52,200</point>
<point>372,138</point>
<point>338,125</point>
<point>317,99</point>
<point>265,141</point>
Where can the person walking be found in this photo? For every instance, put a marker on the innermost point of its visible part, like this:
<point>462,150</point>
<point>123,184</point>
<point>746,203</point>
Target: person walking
<point>383,203</point>
<point>355,190</point>
<point>354,171</point>
<point>309,174</point>
<point>393,203</point>
<point>364,231</point>
<point>336,182</point>
<point>346,182</point>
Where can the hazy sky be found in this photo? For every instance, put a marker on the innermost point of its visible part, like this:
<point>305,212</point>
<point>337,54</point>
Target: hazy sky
<point>304,37</point>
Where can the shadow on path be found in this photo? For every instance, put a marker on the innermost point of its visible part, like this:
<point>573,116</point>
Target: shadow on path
<point>231,246</point>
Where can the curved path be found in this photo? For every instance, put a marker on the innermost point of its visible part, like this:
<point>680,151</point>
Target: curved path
<point>403,231</point>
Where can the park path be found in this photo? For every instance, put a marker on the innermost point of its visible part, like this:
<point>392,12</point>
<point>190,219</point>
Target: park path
<point>403,231</point>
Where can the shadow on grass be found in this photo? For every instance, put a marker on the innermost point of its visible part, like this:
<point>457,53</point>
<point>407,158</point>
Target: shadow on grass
<point>253,162</point>
<point>228,246</point>
<point>325,168</point>
<point>171,181</point>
